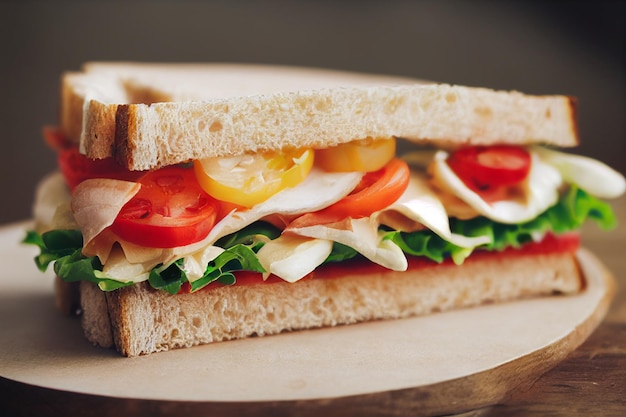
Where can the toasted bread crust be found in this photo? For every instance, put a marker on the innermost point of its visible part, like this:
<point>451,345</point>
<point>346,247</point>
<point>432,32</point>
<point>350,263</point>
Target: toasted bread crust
<point>121,151</point>
<point>573,115</point>
<point>151,134</point>
<point>144,320</point>
<point>101,125</point>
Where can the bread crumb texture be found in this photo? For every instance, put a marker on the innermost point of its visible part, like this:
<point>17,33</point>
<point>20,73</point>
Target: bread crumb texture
<point>233,110</point>
<point>144,320</point>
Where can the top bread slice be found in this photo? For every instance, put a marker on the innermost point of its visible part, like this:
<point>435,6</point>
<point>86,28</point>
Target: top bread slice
<point>154,115</point>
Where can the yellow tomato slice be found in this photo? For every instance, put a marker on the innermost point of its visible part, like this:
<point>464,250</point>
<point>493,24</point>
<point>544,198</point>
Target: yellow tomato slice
<point>365,155</point>
<point>247,180</point>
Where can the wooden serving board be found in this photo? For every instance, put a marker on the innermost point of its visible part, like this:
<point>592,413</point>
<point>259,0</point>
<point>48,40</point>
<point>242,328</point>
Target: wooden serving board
<point>438,364</point>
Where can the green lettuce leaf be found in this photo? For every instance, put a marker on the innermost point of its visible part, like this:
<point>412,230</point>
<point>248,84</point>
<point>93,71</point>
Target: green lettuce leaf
<point>253,236</point>
<point>340,253</point>
<point>170,278</point>
<point>569,214</point>
<point>236,258</point>
<point>63,247</point>
<point>240,254</point>
<point>54,245</point>
<point>428,244</point>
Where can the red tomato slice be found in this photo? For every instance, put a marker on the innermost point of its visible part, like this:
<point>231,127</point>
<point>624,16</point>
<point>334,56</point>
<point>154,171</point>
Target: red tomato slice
<point>170,210</point>
<point>77,168</point>
<point>54,139</point>
<point>377,190</point>
<point>485,167</point>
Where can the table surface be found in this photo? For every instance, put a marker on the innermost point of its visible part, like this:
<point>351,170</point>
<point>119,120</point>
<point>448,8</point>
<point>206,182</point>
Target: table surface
<point>592,380</point>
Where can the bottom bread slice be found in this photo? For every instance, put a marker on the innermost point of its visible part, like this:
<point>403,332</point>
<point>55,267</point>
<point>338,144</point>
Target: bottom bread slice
<point>139,320</point>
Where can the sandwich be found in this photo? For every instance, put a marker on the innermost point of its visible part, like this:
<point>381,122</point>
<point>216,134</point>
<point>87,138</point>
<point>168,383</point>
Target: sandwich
<point>197,203</point>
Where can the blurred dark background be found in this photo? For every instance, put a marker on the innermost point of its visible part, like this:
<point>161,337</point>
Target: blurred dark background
<point>542,47</point>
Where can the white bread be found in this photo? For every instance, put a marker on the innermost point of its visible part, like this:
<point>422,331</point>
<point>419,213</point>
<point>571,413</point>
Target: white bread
<point>139,320</point>
<point>183,112</point>
<point>113,83</point>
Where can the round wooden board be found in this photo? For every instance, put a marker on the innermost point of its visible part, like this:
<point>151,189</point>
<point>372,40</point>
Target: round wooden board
<point>438,364</point>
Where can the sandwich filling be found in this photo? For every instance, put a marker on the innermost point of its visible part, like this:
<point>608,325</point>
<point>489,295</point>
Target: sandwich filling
<point>286,214</point>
